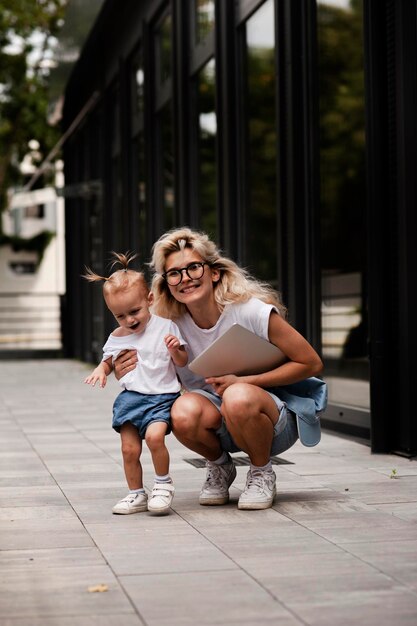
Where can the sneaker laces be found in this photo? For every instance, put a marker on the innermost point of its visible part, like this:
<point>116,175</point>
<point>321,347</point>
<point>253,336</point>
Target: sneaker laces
<point>213,474</point>
<point>218,476</point>
<point>256,480</point>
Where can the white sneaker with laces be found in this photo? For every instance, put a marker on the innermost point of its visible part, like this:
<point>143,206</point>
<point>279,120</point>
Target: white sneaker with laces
<point>259,491</point>
<point>161,498</point>
<point>215,490</point>
<point>132,503</point>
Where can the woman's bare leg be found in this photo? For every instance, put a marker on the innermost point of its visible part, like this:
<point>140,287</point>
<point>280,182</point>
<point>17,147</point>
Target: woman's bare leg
<point>250,414</point>
<point>194,421</point>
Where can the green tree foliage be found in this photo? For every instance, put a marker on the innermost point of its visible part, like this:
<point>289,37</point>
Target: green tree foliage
<point>37,243</point>
<point>27,31</point>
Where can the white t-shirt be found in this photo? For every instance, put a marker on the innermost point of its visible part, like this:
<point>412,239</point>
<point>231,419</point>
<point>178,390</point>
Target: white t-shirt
<point>253,315</point>
<point>155,370</point>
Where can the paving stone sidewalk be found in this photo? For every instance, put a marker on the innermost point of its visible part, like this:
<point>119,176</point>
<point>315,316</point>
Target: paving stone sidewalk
<point>339,546</point>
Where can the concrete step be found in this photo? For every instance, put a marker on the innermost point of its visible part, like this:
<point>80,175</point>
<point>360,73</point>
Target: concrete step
<point>30,322</point>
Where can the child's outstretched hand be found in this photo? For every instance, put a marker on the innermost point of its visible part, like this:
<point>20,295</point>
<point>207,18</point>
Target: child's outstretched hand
<point>98,375</point>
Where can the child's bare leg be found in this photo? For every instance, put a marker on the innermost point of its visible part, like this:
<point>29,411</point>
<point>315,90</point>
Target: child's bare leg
<point>131,451</point>
<point>155,439</point>
<point>136,500</point>
<point>163,489</point>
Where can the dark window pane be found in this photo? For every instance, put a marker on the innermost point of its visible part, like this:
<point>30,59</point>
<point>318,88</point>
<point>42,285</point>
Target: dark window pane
<point>204,19</point>
<point>139,84</point>
<point>115,123</point>
<point>141,197</point>
<point>260,224</point>
<point>207,128</point>
<point>163,49</point>
<point>116,204</point>
<point>35,211</point>
<point>137,223</point>
<point>343,192</point>
<point>167,161</point>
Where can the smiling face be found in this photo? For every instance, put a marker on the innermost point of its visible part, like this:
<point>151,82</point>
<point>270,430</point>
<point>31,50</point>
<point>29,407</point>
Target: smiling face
<point>191,292</point>
<point>130,308</point>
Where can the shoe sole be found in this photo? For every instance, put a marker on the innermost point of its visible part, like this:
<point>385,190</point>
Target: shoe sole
<point>213,501</point>
<point>254,506</point>
<point>159,511</point>
<point>141,510</point>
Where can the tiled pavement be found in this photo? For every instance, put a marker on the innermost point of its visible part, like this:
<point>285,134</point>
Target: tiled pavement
<point>339,546</point>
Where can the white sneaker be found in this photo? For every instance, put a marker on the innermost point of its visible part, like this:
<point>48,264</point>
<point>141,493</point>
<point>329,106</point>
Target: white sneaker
<point>161,498</point>
<point>259,491</point>
<point>133,503</point>
<point>218,480</point>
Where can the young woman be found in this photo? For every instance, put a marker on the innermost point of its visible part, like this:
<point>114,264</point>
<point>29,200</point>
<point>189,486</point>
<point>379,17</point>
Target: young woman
<point>205,293</point>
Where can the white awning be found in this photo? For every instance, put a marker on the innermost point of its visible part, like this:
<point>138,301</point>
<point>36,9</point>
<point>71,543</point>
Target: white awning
<point>23,199</point>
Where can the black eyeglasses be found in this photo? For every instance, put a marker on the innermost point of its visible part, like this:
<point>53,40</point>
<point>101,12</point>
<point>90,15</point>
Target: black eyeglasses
<point>193,270</point>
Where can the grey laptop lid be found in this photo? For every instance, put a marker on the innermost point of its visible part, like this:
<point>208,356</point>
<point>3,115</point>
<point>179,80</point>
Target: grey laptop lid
<point>237,351</point>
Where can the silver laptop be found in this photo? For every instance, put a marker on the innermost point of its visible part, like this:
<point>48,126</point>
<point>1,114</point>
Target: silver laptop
<point>237,351</point>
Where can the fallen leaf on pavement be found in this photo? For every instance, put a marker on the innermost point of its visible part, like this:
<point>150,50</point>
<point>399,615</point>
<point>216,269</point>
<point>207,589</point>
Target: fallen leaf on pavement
<point>98,588</point>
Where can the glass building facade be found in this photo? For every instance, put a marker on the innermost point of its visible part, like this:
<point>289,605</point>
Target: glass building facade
<point>283,128</point>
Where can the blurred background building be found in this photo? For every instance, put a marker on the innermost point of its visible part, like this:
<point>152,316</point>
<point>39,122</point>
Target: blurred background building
<point>33,278</point>
<point>287,130</point>
<point>34,69</point>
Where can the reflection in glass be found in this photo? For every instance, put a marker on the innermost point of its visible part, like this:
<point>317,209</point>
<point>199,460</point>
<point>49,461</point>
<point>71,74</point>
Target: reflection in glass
<point>260,168</point>
<point>140,85</point>
<point>167,174</point>
<point>164,48</point>
<point>115,123</point>
<point>141,196</point>
<point>343,192</point>
<point>138,224</point>
<point>116,202</point>
<point>204,19</point>
<point>207,129</point>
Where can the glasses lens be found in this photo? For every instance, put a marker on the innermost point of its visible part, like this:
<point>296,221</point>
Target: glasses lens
<point>195,270</point>
<point>173,277</point>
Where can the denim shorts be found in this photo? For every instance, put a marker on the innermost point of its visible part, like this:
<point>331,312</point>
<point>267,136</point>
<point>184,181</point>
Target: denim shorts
<point>142,409</point>
<point>285,430</point>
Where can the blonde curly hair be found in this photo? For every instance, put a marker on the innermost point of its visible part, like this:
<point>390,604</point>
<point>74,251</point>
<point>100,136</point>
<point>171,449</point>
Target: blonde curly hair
<point>235,283</point>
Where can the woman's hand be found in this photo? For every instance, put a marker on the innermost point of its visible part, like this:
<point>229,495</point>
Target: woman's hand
<point>125,362</point>
<point>221,383</point>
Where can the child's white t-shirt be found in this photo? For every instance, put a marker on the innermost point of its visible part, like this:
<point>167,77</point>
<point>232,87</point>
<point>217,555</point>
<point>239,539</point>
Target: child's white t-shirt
<point>155,371</point>
<point>253,315</point>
